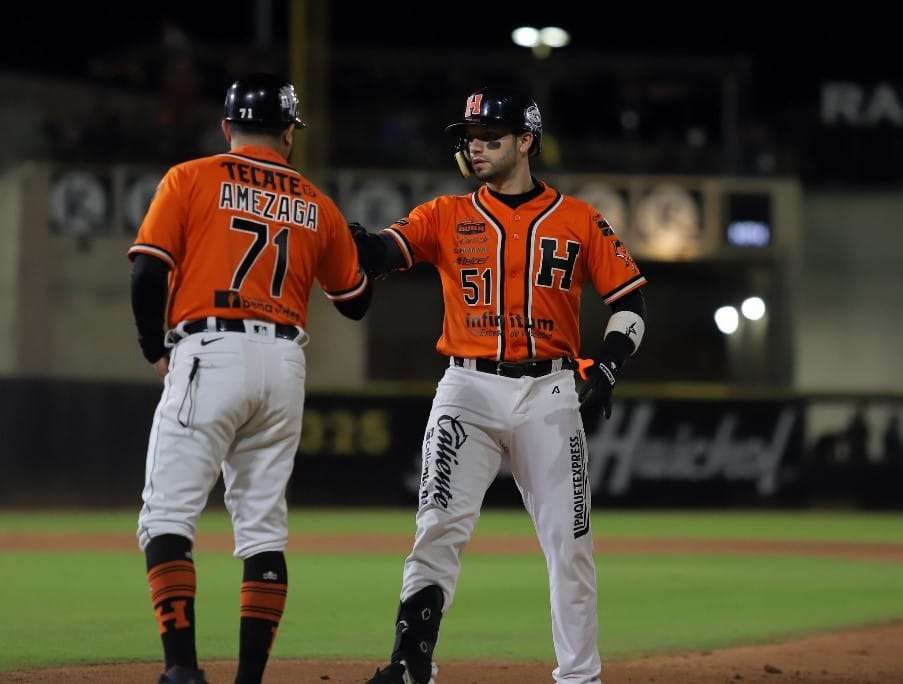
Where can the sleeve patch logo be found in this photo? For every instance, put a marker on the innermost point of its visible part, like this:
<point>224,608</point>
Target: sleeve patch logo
<point>622,253</point>
<point>603,225</point>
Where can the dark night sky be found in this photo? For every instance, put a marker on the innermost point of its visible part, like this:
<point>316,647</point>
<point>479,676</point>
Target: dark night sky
<point>844,43</point>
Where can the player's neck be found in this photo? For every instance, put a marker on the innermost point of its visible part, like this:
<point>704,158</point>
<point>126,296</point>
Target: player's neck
<point>516,184</point>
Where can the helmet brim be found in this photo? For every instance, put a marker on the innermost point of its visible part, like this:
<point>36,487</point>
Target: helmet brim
<point>298,123</point>
<point>459,127</point>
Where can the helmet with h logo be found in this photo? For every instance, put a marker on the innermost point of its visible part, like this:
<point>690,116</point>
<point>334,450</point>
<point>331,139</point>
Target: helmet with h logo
<point>500,107</point>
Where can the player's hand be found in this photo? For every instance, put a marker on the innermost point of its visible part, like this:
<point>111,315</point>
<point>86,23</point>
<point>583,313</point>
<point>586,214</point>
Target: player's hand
<point>161,366</point>
<point>371,252</point>
<point>358,231</point>
<point>595,395</point>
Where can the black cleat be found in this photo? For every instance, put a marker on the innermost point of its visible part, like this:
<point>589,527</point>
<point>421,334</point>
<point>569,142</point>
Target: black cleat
<point>395,673</point>
<point>182,675</point>
<point>392,674</point>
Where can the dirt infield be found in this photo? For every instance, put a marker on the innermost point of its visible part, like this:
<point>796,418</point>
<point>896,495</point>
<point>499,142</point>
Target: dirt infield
<point>871,655</point>
<point>863,656</point>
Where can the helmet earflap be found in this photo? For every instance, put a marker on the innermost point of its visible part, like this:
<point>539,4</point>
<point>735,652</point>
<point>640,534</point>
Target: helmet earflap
<point>462,157</point>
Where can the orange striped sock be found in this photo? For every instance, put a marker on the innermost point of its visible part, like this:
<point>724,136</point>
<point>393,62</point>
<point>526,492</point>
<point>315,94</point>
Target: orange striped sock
<point>173,585</point>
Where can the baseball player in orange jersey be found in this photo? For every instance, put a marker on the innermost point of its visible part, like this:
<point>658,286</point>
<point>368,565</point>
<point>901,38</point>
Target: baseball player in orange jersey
<point>224,263</point>
<point>513,258</point>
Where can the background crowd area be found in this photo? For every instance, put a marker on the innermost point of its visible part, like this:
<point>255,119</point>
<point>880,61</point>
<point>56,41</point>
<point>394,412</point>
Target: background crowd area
<point>635,99</point>
<point>678,130</point>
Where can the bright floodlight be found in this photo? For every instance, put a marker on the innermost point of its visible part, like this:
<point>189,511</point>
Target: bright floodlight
<point>555,37</point>
<point>727,319</point>
<point>753,308</point>
<point>540,41</point>
<point>525,36</point>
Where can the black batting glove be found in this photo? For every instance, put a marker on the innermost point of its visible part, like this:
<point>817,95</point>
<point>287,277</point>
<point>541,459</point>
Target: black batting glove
<point>357,230</point>
<point>595,395</point>
<point>371,251</point>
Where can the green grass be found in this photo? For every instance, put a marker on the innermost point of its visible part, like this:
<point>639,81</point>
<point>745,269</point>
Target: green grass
<point>91,607</point>
<point>720,524</point>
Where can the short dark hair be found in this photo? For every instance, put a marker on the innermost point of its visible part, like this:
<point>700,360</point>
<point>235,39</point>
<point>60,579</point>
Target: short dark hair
<point>273,130</point>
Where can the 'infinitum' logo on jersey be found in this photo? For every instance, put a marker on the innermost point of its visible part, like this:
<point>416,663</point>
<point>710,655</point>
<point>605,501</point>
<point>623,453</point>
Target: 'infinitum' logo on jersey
<point>511,321</point>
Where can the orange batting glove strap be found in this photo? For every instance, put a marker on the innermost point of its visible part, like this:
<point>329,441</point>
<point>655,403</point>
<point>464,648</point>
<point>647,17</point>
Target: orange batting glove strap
<point>582,365</point>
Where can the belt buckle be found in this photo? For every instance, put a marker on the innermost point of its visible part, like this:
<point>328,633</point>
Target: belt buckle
<point>514,370</point>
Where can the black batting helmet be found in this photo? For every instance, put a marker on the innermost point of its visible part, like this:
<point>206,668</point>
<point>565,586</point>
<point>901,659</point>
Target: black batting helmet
<point>499,106</point>
<point>262,98</point>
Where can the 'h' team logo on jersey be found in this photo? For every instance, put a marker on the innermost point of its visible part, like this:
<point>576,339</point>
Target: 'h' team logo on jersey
<point>470,227</point>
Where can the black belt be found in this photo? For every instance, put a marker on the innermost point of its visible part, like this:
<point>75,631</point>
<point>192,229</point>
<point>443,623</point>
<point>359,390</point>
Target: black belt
<point>286,332</point>
<point>514,369</point>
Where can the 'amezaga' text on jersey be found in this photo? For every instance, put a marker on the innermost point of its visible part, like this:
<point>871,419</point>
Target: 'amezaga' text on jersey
<point>245,235</point>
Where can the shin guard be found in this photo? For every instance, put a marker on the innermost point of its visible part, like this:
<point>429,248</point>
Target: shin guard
<point>417,631</point>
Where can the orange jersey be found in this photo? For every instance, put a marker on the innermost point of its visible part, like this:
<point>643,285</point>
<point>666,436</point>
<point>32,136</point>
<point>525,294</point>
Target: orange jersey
<point>245,235</point>
<point>512,278</point>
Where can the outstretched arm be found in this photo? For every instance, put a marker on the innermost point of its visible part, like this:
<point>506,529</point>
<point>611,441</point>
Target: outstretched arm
<point>378,253</point>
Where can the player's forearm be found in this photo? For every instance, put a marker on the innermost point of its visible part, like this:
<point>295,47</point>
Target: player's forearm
<point>378,253</point>
<point>148,297</point>
<point>625,329</point>
<point>357,307</point>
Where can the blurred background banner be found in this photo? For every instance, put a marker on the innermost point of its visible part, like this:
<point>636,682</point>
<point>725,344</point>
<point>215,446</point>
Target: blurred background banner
<point>753,166</point>
<point>81,443</point>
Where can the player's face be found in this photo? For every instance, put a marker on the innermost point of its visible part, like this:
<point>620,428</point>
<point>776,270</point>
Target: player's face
<point>493,152</point>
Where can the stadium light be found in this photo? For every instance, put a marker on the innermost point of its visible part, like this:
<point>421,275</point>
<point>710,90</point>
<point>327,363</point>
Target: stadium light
<point>753,308</point>
<point>541,41</point>
<point>727,319</point>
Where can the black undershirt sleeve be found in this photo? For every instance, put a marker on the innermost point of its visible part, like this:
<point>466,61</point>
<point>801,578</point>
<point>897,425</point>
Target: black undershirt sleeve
<point>357,307</point>
<point>394,258</point>
<point>378,253</point>
<point>149,290</point>
<point>633,301</point>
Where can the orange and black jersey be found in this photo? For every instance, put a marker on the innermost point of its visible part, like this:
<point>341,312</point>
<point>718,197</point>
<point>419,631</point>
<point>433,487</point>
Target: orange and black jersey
<point>512,277</point>
<point>245,236</point>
